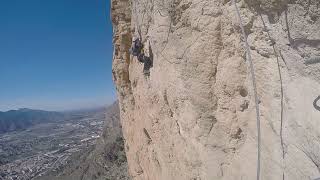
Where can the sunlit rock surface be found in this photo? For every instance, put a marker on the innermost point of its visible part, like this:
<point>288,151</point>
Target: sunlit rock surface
<point>193,117</point>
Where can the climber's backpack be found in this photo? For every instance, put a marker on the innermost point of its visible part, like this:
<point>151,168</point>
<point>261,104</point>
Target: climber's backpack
<point>137,47</point>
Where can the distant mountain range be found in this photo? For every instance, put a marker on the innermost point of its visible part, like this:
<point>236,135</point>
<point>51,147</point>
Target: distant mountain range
<point>20,119</point>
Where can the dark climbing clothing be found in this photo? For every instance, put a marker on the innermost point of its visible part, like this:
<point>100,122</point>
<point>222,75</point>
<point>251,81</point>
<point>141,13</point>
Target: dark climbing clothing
<point>315,105</point>
<point>137,47</point>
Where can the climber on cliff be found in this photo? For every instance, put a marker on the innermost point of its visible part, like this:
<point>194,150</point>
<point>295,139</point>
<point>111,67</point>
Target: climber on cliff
<point>144,55</point>
<point>146,59</point>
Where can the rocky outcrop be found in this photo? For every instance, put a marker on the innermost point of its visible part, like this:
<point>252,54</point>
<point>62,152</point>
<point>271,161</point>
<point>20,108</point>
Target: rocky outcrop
<point>193,117</point>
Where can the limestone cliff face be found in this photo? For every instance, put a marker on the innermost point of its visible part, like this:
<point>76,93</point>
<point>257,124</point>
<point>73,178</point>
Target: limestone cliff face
<point>193,117</point>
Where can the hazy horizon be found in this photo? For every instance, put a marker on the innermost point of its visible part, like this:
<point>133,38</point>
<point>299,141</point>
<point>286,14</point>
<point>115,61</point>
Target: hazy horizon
<point>55,55</point>
<point>62,106</point>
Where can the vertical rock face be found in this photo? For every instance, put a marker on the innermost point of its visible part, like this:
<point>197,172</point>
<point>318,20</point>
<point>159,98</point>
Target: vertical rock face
<point>193,117</point>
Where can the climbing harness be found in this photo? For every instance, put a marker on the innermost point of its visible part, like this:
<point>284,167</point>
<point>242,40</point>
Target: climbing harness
<point>315,105</point>
<point>254,88</point>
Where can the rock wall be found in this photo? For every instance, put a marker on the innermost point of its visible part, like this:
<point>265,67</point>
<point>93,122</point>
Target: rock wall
<point>193,117</point>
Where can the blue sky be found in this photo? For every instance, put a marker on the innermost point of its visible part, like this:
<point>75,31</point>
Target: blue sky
<point>55,54</point>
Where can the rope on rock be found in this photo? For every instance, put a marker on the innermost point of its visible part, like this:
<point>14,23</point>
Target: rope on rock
<point>281,88</point>
<point>254,89</point>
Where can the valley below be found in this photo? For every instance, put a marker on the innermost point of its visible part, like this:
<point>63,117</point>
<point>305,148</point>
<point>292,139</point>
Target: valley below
<point>48,147</point>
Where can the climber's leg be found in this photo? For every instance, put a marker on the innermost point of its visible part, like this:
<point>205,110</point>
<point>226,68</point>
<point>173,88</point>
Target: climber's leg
<point>147,65</point>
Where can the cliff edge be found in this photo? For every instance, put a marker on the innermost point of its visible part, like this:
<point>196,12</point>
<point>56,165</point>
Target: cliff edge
<point>192,116</point>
